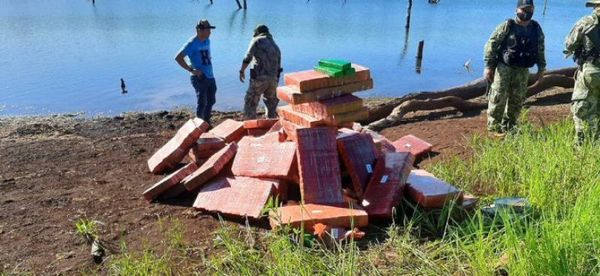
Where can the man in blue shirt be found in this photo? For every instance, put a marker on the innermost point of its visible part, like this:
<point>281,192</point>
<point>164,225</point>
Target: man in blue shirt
<point>198,52</point>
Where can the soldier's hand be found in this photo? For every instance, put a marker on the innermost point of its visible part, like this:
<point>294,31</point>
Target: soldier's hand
<point>488,74</point>
<point>242,76</point>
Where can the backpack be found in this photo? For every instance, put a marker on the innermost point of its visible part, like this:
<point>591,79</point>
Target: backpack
<point>520,49</point>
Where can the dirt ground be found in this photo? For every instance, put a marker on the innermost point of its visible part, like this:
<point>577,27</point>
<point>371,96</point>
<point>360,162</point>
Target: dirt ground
<point>55,170</point>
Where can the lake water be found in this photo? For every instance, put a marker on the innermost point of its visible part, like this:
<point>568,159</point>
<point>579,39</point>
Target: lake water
<point>66,56</point>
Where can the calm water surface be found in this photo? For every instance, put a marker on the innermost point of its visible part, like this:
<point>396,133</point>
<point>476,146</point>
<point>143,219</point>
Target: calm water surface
<point>69,55</point>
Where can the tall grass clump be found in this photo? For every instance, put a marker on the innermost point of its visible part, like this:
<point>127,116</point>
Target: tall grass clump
<point>168,261</point>
<point>562,183</point>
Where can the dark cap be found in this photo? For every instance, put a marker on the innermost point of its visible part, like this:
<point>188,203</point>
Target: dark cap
<point>261,29</point>
<point>524,3</point>
<point>203,25</point>
<point>592,3</point>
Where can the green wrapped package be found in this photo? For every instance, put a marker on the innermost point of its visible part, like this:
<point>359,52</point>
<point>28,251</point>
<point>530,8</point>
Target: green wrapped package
<point>335,64</point>
<point>335,72</point>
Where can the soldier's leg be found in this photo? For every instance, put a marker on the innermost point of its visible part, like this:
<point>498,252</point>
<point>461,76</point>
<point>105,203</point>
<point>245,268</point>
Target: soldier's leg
<point>581,110</point>
<point>582,106</point>
<point>255,90</point>
<point>593,100</point>
<point>595,114</point>
<point>516,97</point>
<point>270,99</point>
<point>497,98</point>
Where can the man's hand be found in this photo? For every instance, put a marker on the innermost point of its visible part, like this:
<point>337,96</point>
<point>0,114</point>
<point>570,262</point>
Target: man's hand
<point>488,74</point>
<point>197,73</point>
<point>242,76</point>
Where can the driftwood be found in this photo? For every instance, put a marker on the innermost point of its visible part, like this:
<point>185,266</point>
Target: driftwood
<point>457,97</point>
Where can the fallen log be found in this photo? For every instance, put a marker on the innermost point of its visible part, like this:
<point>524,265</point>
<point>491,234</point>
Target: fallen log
<point>457,97</point>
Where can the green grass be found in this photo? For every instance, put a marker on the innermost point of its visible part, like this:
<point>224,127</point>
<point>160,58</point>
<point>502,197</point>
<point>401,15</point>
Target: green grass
<point>86,228</point>
<point>175,252</point>
<point>562,183</point>
<point>560,237</point>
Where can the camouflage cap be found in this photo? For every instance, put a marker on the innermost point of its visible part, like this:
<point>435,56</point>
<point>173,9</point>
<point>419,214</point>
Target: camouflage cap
<point>524,3</point>
<point>592,3</point>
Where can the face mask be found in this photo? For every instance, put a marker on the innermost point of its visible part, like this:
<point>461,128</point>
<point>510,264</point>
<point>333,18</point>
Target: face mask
<point>525,16</point>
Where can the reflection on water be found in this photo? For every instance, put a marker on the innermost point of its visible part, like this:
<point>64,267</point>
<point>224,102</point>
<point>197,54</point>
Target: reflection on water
<point>69,55</point>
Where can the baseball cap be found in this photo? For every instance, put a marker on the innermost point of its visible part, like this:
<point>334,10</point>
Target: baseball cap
<point>203,24</point>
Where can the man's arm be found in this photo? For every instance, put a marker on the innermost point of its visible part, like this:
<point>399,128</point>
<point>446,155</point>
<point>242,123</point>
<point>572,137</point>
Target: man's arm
<point>490,52</point>
<point>541,55</point>
<point>247,59</point>
<point>574,41</point>
<point>242,70</point>
<point>180,58</point>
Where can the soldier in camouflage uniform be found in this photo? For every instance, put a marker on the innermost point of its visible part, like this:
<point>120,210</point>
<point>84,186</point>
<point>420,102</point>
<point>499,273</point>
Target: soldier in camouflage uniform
<point>515,46</point>
<point>584,44</point>
<point>264,76</point>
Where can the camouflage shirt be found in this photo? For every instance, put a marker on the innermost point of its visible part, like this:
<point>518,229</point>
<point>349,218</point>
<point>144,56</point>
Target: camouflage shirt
<point>493,46</point>
<point>576,41</point>
<point>265,55</point>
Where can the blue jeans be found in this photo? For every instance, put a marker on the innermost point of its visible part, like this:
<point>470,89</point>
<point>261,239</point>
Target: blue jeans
<point>206,90</point>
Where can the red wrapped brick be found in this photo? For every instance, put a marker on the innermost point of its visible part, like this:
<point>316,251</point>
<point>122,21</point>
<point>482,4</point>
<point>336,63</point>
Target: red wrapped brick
<point>168,156</point>
<point>237,196</point>
<point>298,118</point>
<point>257,132</point>
<point>291,95</point>
<point>327,108</point>
<point>276,127</point>
<point>169,181</point>
<point>210,168</point>
<point>381,143</point>
<point>412,144</point>
<point>289,129</point>
<point>260,123</point>
<point>348,117</point>
<point>309,80</point>
<point>230,130</point>
<point>385,189</point>
<point>318,165</point>
<point>308,215</point>
<point>207,145</point>
<point>265,157</point>
<point>430,192</point>
<point>359,154</point>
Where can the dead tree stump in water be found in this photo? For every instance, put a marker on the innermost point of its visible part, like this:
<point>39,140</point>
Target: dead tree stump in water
<point>420,56</point>
<point>407,26</point>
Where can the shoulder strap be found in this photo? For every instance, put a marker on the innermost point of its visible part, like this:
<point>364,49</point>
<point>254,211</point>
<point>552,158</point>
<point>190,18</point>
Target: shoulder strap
<point>511,23</point>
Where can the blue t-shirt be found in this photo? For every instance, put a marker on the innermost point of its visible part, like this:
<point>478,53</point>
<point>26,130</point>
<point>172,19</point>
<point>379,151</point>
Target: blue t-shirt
<point>199,55</point>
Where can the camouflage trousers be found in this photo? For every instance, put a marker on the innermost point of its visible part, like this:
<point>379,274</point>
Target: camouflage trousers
<point>506,98</point>
<point>261,86</point>
<point>585,101</point>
